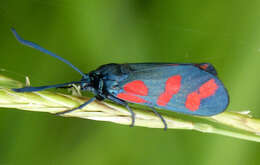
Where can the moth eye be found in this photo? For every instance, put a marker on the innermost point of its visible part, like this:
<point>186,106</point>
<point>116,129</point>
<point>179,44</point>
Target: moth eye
<point>115,87</point>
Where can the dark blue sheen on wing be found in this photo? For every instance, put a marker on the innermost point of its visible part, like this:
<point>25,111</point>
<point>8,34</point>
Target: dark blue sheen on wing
<point>155,78</point>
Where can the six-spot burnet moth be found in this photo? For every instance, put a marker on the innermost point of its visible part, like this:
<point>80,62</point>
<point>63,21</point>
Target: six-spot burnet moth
<point>186,88</point>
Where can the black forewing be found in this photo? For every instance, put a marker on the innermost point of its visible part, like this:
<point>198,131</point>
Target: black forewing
<point>155,75</point>
<point>139,67</point>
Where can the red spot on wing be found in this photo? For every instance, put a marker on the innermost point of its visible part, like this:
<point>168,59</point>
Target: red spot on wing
<point>131,98</point>
<point>204,66</point>
<point>132,89</point>
<point>136,87</point>
<point>163,99</point>
<point>207,89</point>
<point>193,101</point>
<point>172,87</point>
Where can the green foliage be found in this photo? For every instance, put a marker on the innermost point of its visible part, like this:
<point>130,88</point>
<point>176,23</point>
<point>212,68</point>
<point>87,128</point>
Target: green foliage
<point>93,32</point>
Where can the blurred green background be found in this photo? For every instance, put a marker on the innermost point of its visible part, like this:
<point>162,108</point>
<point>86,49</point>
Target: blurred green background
<point>92,33</point>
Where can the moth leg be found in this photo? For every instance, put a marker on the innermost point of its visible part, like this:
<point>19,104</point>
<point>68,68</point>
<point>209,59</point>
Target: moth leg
<point>79,107</point>
<point>132,114</point>
<point>118,101</point>
<point>160,116</point>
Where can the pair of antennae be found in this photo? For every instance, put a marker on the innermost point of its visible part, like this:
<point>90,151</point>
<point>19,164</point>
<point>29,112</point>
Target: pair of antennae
<point>38,47</point>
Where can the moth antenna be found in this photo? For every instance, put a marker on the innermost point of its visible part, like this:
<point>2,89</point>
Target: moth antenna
<point>38,47</point>
<point>40,88</point>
